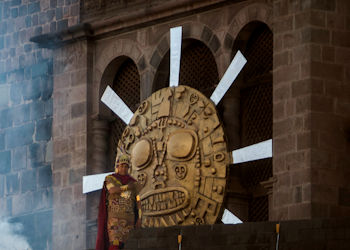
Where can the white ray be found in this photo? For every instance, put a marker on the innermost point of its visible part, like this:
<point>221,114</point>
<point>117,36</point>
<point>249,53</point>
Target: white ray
<point>253,152</point>
<point>229,218</point>
<point>230,75</point>
<point>175,55</point>
<point>93,182</point>
<point>116,104</point>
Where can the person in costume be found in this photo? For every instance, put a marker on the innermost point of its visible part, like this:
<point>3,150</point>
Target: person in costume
<point>119,209</point>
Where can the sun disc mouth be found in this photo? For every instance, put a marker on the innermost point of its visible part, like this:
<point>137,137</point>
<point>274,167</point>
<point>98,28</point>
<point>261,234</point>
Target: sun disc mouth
<point>164,201</point>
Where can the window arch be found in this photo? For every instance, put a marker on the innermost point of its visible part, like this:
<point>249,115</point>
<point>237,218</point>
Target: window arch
<point>126,84</point>
<point>255,41</point>
<point>197,69</point>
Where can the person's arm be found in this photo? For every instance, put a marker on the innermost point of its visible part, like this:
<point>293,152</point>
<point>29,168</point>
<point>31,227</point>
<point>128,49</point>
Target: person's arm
<point>112,187</point>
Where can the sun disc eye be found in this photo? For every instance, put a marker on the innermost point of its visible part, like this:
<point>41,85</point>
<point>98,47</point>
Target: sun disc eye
<point>181,144</point>
<point>141,154</point>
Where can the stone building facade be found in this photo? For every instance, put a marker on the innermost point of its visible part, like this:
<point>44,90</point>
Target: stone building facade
<point>54,129</point>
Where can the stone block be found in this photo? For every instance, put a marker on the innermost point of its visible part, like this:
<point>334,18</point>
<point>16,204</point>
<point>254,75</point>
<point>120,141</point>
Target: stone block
<point>20,114</point>
<point>4,96</point>
<point>45,176</point>
<point>327,71</point>
<point>5,162</point>
<point>341,38</point>
<point>3,28</point>
<point>321,193</point>
<point>75,175</point>
<point>22,204</point>
<point>2,141</point>
<point>43,130</point>
<point>47,88</point>
<point>284,144</point>
<point>281,93</point>
<point>206,34</point>
<point>39,69</point>
<point>328,5</point>
<point>283,25</point>
<point>315,35</point>
<point>141,64</point>
<point>49,107</point>
<point>155,60</point>
<point>32,89</point>
<point>214,44</point>
<point>28,180</point>
<point>43,229</point>
<point>6,118</point>
<point>37,110</point>
<point>28,21</point>
<point>2,80</point>
<point>62,25</point>
<point>228,43</point>
<point>14,12</point>
<point>12,184</point>
<point>59,13</point>
<point>36,152</point>
<point>20,136</point>
<point>342,55</point>
<point>286,73</point>
<point>66,195</point>
<point>43,199</point>
<point>23,10</point>
<point>2,187</point>
<point>318,18</point>
<point>19,158</point>
<point>78,109</point>
<point>33,7</point>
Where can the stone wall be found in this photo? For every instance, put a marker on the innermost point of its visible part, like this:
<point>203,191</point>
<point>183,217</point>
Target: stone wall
<point>26,113</point>
<point>301,234</point>
<point>311,109</point>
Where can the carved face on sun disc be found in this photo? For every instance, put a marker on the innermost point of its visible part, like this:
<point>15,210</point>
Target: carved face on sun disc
<point>179,156</point>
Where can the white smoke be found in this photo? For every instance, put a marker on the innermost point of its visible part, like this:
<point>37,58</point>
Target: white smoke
<point>10,236</point>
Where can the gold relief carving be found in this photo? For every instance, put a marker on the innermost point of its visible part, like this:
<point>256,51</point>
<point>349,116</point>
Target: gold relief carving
<point>179,157</point>
<point>142,178</point>
<point>128,137</point>
<point>181,144</point>
<point>143,107</point>
<point>193,98</point>
<point>180,171</point>
<point>141,154</point>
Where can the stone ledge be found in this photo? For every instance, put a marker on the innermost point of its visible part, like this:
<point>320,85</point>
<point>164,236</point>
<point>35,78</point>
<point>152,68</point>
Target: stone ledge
<point>301,234</point>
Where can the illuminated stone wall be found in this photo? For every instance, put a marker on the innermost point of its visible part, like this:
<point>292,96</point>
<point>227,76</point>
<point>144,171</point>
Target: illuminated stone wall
<point>26,113</point>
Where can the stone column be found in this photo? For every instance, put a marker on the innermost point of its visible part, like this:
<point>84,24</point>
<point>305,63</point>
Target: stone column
<point>69,145</point>
<point>311,109</point>
<point>100,132</point>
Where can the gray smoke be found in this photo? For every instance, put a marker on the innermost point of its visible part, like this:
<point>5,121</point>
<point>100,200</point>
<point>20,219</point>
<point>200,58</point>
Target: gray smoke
<point>10,236</point>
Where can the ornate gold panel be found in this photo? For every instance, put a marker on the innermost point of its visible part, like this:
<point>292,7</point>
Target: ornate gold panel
<point>179,156</point>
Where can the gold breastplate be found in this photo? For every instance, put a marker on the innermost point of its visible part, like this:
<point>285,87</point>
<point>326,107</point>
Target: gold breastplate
<point>120,205</point>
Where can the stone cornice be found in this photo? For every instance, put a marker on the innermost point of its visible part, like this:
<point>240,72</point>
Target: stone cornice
<point>128,20</point>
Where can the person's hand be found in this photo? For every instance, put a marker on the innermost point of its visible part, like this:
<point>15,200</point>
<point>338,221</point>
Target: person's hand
<point>115,190</point>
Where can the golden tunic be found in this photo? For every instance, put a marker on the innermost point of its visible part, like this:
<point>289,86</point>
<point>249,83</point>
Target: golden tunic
<point>121,212</point>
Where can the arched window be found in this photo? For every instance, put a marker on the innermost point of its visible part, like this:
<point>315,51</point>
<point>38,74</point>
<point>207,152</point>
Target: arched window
<point>256,42</point>
<point>197,69</point>
<point>126,84</point>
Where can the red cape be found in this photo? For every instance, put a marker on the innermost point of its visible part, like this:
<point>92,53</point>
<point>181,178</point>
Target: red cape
<point>102,242</point>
